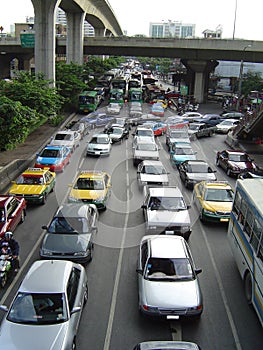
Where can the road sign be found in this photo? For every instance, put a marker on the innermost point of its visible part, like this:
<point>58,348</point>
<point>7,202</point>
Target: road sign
<point>27,39</point>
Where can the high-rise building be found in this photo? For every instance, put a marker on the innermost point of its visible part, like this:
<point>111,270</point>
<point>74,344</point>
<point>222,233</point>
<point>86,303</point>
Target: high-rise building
<point>171,29</point>
<point>61,20</point>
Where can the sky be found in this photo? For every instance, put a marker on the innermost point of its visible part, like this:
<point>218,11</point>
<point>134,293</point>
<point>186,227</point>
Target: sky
<point>134,16</point>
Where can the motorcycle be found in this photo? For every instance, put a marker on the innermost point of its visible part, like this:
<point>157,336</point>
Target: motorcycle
<point>5,269</point>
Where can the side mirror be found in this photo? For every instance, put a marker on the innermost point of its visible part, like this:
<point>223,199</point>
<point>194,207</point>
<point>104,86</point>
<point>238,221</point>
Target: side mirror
<point>44,227</point>
<point>139,271</point>
<point>143,206</point>
<point>75,309</point>
<point>197,271</point>
<point>188,206</point>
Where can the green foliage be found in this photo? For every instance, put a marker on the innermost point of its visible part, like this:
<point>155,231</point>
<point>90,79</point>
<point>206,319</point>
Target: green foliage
<point>34,92</point>
<point>56,120</point>
<point>251,81</point>
<point>16,122</point>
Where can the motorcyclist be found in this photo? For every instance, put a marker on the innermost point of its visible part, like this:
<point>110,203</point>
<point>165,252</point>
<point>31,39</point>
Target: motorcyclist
<point>14,247</point>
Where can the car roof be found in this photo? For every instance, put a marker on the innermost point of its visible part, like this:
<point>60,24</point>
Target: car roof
<point>100,135</point>
<point>56,147</point>
<point>195,161</point>
<point>217,184</point>
<point>168,345</point>
<point>167,191</point>
<point>35,171</point>
<point>47,276</point>
<point>166,246</point>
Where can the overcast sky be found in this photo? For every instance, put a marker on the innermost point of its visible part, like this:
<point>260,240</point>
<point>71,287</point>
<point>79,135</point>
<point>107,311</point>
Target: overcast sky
<point>134,16</point>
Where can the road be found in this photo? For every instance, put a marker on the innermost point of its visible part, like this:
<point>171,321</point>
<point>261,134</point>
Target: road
<point>111,320</point>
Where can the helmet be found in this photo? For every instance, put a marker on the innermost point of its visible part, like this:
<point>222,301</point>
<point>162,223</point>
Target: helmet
<point>5,244</point>
<point>8,235</point>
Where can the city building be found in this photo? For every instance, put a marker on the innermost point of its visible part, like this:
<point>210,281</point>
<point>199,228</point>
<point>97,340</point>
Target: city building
<point>171,29</point>
<point>61,21</point>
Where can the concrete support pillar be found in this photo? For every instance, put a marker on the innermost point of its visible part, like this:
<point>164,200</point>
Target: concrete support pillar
<point>4,66</point>
<point>99,31</point>
<point>201,70</point>
<point>45,37</point>
<point>75,24</point>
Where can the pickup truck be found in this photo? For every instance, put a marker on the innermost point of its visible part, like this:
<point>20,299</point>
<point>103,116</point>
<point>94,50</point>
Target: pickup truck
<point>197,130</point>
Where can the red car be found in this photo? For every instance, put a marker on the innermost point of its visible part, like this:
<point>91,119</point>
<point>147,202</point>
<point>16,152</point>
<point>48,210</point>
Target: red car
<point>12,212</point>
<point>235,162</point>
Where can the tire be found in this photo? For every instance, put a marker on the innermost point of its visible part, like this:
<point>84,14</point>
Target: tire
<point>44,199</point>
<point>248,288</point>
<point>23,215</point>
<point>217,162</point>
<point>74,346</point>
<point>3,280</point>
<point>86,295</point>
<point>228,172</point>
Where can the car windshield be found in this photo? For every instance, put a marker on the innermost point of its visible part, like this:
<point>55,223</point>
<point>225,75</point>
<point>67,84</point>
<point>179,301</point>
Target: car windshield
<point>219,195</point>
<point>30,180</point>
<point>153,169</point>
<point>238,158</point>
<point>197,168</point>
<point>117,131</point>
<point>144,132</point>
<point>89,184</point>
<point>146,147</point>
<point>38,309</point>
<point>100,140</point>
<point>50,153</point>
<point>169,269</point>
<point>69,225</point>
<point>167,203</point>
<point>182,151</point>
<point>179,134</point>
<point>65,137</point>
<point>194,126</point>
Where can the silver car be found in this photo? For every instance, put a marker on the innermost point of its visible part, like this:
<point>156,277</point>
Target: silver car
<point>167,278</point>
<point>152,172</point>
<point>145,150</point>
<point>165,211</point>
<point>70,233</point>
<point>47,307</point>
<point>99,145</point>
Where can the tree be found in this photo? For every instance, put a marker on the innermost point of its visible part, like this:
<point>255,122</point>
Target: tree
<point>251,81</point>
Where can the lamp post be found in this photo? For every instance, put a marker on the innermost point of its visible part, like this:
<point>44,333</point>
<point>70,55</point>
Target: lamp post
<point>240,79</point>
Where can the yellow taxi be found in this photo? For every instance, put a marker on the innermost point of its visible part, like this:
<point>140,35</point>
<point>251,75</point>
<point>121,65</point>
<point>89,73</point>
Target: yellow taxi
<point>164,103</point>
<point>34,185</point>
<point>91,187</point>
<point>213,200</point>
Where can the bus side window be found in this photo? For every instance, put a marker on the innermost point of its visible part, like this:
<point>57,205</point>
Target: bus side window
<point>237,204</point>
<point>248,224</point>
<point>255,238</point>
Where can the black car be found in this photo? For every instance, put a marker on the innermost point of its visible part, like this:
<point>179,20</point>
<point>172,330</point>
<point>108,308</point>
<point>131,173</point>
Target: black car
<point>70,233</point>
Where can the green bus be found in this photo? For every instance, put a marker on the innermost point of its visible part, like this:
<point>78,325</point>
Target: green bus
<point>135,95</point>
<point>117,96</point>
<point>88,101</point>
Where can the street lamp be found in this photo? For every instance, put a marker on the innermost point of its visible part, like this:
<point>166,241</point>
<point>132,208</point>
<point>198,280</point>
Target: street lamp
<point>240,79</point>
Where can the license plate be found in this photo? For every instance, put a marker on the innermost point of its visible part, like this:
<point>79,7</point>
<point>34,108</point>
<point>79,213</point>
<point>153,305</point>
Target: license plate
<point>97,152</point>
<point>170,317</point>
<point>169,232</point>
<point>224,220</point>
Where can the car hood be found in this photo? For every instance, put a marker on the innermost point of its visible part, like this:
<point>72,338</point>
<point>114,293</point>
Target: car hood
<point>175,294</point>
<point>178,139</point>
<point>98,146</point>
<point>168,217</point>
<point>88,194</point>
<point>201,176</point>
<point>218,206</point>
<point>241,165</point>
<point>48,160</point>
<point>115,136</point>
<point>183,157</point>
<point>66,243</point>
<point>26,189</point>
<point>154,178</point>
<point>62,143</point>
<point>15,336</point>
<point>149,154</point>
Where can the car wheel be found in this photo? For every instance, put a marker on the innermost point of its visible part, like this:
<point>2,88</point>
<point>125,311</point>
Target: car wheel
<point>248,287</point>
<point>201,216</point>
<point>74,346</point>
<point>91,253</point>
<point>217,162</point>
<point>228,172</point>
<point>3,280</point>
<point>23,215</point>
<point>44,199</point>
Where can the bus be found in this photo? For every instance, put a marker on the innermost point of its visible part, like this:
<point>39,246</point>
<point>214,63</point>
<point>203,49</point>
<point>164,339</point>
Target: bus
<point>88,101</point>
<point>117,96</point>
<point>119,83</point>
<point>135,95</point>
<point>245,236</point>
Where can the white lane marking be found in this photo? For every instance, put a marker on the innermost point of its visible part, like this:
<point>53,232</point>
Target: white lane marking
<point>119,265</point>
<point>222,292</point>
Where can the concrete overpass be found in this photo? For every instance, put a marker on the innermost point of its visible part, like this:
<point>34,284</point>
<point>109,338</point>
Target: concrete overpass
<point>97,12</point>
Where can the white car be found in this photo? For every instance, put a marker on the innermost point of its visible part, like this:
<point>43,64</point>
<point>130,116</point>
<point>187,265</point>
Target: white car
<point>152,172</point>
<point>47,307</point>
<point>165,211</point>
<point>167,279</point>
<point>113,108</point>
<point>99,145</point>
<point>145,150</point>
<point>226,125</point>
<point>68,138</point>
